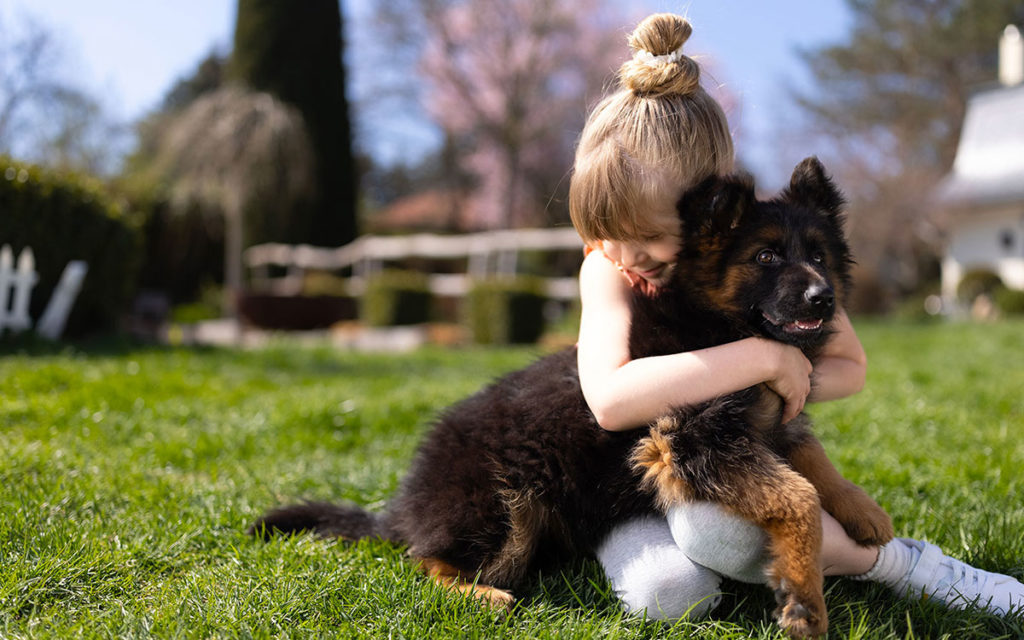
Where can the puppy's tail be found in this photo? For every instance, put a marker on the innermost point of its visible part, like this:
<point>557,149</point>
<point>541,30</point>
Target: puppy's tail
<point>328,520</point>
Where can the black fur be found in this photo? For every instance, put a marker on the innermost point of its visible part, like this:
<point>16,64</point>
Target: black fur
<point>525,454</point>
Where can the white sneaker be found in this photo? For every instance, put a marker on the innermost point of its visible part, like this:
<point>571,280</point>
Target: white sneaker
<point>959,585</point>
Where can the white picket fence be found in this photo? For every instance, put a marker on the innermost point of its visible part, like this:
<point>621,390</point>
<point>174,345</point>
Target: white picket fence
<point>19,280</point>
<point>16,284</point>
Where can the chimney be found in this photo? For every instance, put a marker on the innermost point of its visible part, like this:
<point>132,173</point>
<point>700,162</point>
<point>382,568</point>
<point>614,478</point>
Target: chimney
<point>1011,57</point>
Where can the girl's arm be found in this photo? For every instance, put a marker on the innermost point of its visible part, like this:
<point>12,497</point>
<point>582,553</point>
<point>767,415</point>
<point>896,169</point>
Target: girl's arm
<point>625,394</point>
<point>842,365</point>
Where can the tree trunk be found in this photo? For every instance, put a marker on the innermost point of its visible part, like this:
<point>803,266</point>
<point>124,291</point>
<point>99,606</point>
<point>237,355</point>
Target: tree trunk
<point>233,234</point>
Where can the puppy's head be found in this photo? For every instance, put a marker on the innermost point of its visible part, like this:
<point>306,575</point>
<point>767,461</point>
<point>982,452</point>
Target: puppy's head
<point>778,266</point>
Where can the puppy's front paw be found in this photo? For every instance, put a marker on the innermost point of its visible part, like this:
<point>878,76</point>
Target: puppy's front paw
<point>864,521</point>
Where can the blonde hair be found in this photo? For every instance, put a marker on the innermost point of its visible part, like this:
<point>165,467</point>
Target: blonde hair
<point>659,134</point>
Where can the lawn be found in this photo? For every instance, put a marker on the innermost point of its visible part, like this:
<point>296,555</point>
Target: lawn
<point>129,474</point>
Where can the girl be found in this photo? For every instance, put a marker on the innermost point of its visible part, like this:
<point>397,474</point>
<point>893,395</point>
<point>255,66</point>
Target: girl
<point>639,150</point>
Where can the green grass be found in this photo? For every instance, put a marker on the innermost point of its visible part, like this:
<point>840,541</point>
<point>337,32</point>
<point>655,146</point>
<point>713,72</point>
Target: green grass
<point>127,477</point>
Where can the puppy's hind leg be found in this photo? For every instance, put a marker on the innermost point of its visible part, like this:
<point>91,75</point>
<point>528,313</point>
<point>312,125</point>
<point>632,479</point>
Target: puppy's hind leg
<point>450,577</point>
<point>526,517</point>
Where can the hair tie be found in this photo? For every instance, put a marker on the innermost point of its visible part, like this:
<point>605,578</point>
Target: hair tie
<point>652,60</point>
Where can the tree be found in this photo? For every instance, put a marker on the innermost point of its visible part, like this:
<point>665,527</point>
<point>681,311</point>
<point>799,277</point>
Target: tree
<point>293,50</point>
<point>888,104</point>
<point>508,83</point>
<point>44,118</point>
<point>208,76</point>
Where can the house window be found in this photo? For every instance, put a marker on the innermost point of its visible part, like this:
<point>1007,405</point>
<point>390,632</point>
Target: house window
<point>1007,240</point>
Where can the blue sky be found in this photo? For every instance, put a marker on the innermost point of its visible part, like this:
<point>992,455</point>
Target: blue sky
<point>132,51</point>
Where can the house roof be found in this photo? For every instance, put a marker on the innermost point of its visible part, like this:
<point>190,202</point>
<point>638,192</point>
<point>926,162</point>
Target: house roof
<point>431,210</point>
<point>989,165</point>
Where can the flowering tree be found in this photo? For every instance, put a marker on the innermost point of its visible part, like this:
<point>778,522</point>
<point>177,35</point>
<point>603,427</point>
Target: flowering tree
<point>509,83</point>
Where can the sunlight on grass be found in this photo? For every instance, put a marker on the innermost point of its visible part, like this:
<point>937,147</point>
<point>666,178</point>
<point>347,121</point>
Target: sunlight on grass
<point>129,476</point>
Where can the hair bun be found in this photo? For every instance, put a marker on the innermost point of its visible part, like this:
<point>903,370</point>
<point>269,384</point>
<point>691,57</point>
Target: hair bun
<point>658,66</point>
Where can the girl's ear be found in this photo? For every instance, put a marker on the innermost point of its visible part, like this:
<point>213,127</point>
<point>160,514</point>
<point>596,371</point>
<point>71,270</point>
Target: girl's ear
<point>812,187</point>
<point>718,204</point>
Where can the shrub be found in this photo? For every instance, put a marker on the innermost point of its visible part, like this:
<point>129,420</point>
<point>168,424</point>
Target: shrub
<point>67,217</point>
<point>977,282</point>
<point>396,298</point>
<point>1009,301</point>
<point>324,283</point>
<point>507,311</point>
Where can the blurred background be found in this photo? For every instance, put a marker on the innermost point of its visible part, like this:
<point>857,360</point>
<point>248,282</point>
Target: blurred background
<point>302,165</point>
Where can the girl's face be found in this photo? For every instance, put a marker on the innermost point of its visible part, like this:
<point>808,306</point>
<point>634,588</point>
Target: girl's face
<point>652,256</point>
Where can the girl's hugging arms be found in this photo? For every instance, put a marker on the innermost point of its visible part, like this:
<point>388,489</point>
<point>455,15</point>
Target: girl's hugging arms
<point>625,394</point>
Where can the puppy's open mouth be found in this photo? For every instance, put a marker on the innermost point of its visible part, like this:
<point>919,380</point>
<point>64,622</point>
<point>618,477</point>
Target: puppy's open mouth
<point>798,326</point>
<point>808,325</point>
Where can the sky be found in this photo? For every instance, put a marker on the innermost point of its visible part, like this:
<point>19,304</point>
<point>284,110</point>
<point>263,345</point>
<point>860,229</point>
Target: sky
<point>130,52</point>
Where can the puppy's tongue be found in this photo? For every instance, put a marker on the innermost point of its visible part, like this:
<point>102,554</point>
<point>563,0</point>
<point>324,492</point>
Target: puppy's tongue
<point>804,325</point>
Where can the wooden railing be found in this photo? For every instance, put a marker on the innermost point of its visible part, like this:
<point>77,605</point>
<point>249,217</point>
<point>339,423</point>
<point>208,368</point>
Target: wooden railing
<point>488,254</point>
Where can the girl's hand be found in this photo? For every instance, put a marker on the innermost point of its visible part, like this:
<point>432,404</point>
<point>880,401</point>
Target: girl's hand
<point>791,377</point>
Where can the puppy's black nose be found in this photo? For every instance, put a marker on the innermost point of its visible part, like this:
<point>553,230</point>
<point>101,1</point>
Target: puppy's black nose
<point>820,296</point>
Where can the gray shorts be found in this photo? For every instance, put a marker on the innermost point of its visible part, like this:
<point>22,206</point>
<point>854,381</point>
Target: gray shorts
<point>672,567</point>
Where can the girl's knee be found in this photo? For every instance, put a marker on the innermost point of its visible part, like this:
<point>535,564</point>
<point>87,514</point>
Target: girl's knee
<point>649,573</point>
<point>724,542</point>
<point>662,596</point>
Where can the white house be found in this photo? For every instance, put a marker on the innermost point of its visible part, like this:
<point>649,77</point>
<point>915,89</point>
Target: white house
<point>985,190</point>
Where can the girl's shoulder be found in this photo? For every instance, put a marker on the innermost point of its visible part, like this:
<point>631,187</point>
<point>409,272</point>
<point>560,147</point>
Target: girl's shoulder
<point>603,282</point>
<point>597,265</point>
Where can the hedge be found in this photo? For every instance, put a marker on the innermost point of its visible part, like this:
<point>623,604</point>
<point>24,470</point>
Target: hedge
<point>1009,301</point>
<point>977,282</point>
<point>396,297</point>
<point>66,217</point>
<point>506,311</point>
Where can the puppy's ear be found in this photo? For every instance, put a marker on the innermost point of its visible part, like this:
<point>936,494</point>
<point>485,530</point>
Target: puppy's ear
<point>717,205</point>
<point>812,187</point>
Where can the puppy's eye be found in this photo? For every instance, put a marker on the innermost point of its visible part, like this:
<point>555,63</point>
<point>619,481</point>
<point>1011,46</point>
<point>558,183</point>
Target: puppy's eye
<point>767,256</point>
<point>818,257</point>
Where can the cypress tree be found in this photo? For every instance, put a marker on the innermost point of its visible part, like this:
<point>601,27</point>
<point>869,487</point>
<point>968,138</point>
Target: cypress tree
<point>294,51</point>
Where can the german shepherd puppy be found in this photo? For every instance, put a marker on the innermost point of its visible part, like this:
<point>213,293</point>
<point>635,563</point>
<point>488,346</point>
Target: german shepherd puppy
<point>520,473</point>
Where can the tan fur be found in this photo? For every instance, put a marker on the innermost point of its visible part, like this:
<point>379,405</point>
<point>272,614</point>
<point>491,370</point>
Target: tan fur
<point>766,412</point>
<point>723,294</point>
<point>450,577</point>
<point>527,520</point>
<point>653,455</point>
